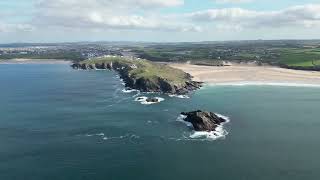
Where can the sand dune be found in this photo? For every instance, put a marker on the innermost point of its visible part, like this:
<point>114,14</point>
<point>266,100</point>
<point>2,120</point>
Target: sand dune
<point>249,73</point>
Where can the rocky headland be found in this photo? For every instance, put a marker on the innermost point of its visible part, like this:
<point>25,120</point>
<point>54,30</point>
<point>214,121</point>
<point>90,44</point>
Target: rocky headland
<point>144,75</point>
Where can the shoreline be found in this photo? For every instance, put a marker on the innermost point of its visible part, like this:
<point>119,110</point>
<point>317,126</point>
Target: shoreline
<point>35,61</point>
<point>240,74</point>
<point>256,83</point>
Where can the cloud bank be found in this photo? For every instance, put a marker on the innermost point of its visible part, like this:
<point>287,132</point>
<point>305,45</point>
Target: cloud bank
<point>306,16</point>
<point>150,16</point>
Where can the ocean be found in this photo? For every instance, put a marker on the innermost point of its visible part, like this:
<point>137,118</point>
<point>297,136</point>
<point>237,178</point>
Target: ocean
<point>57,123</point>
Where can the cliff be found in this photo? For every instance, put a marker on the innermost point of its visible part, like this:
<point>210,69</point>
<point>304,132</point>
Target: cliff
<point>144,75</point>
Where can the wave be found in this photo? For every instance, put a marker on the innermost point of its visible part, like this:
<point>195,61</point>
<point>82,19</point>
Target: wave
<point>179,96</point>
<point>245,83</point>
<point>97,134</point>
<point>143,100</point>
<point>129,90</point>
<point>219,132</point>
<point>130,137</point>
<point>181,118</point>
<point>223,117</point>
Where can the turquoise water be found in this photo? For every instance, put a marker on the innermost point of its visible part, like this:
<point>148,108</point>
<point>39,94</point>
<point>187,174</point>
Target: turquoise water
<point>61,124</point>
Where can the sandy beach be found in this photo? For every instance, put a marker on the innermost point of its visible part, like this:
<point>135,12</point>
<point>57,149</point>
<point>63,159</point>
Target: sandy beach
<point>35,61</point>
<point>250,74</point>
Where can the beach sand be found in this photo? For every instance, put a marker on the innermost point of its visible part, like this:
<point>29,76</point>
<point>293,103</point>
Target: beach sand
<point>249,74</point>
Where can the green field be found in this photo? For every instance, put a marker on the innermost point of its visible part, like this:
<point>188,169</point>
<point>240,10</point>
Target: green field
<point>273,53</point>
<point>300,57</point>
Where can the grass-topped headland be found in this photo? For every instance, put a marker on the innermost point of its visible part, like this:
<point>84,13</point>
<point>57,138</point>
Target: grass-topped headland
<point>144,75</point>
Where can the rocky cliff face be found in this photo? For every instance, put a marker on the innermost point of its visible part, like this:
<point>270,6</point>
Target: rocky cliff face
<point>145,84</point>
<point>203,121</point>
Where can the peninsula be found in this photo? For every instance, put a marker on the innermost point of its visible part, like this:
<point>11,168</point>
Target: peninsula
<point>144,75</point>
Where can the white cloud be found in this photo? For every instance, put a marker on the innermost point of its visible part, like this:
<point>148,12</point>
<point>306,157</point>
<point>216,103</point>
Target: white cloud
<point>144,19</point>
<point>306,16</point>
<point>111,3</point>
<point>8,28</point>
<point>109,14</point>
<point>232,1</point>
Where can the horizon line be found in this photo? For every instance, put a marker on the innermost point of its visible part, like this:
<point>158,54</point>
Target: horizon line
<point>158,42</point>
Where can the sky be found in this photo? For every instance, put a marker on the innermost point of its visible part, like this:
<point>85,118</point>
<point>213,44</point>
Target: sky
<point>157,20</point>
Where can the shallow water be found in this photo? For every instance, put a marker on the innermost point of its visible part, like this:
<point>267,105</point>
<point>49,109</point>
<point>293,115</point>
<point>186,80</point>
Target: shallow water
<point>60,124</point>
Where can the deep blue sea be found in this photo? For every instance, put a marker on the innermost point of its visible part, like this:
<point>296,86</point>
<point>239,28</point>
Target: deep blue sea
<point>61,124</point>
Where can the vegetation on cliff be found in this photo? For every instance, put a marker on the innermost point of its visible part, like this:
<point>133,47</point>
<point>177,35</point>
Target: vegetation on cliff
<point>144,75</point>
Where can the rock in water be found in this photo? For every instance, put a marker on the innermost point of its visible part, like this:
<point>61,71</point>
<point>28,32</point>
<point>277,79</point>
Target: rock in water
<point>153,100</point>
<point>202,120</point>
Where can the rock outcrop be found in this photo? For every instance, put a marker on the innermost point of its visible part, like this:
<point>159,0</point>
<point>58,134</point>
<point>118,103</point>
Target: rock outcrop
<point>152,100</point>
<point>144,83</point>
<point>203,121</point>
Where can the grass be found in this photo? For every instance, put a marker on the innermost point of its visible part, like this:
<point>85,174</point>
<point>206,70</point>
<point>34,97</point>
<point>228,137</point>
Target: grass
<point>248,55</point>
<point>300,57</point>
<point>145,69</point>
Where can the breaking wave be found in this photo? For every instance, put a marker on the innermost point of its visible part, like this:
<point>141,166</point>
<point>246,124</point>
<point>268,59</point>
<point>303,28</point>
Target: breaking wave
<point>179,96</point>
<point>130,90</point>
<point>130,137</point>
<point>143,100</point>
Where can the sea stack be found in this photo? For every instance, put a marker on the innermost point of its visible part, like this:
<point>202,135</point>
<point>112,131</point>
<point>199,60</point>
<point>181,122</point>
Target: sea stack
<point>203,120</point>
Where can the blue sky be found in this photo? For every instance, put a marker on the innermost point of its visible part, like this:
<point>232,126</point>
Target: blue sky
<point>157,20</point>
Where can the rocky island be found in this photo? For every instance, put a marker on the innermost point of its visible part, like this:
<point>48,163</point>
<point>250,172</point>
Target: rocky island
<point>203,121</point>
<point>144,75</point>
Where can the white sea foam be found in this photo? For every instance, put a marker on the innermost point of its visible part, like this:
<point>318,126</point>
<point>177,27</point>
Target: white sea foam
<point>100,134</point>
<point>129,90</point>
<point>181,119</point>
<point>136,95</point>
<point>223,117</point>
<point>104,137</point>
<point>127,136</point>
<point>257,83</point>
<point>143,100</point>
<point>97,134</point>
<point>179,96</point>
<point>219,132</point>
